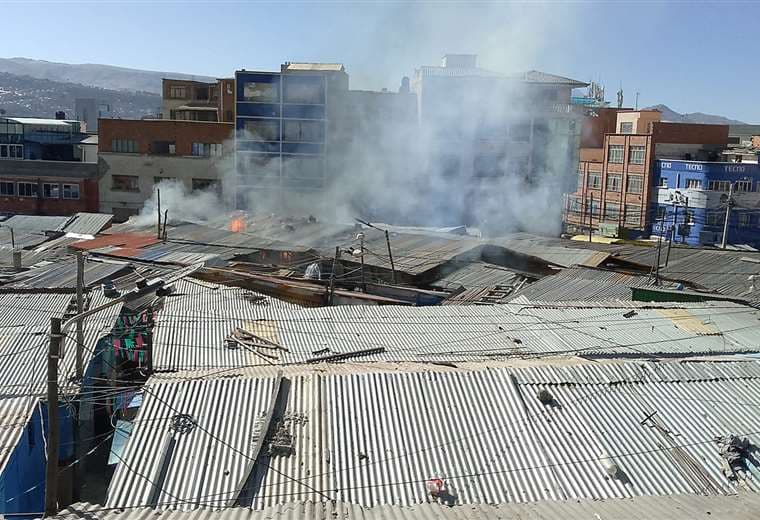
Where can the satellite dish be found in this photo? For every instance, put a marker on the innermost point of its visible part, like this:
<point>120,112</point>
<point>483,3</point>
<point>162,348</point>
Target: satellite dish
<point>723,198</point>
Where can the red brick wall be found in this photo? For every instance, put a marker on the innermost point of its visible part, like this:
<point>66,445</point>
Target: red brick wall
<point>88,201</point>
<point>688,133</point>
<point>594,128</point>
<point>145,132</point>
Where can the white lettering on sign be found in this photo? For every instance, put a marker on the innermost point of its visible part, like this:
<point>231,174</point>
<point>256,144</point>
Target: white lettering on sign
<point>694,167</point>
<point>734,169</point>
<point>666,165</point>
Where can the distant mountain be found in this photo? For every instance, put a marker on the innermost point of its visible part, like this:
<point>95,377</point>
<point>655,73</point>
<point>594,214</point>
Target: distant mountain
<point>26,96</point>
<point>672,116</point>
<point>103,76</point>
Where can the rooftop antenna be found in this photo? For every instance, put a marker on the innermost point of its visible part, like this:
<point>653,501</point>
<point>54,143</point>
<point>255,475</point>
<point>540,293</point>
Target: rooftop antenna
<point>637,100</point>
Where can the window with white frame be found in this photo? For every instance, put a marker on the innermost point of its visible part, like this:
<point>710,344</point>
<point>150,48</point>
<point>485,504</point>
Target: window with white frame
<point>51,190</point>
<point>207,149</point>
<point>595,180</point>
<point>614,181</point>
<point>632,215</point>
<point>634,184</point>
<point>7,189</point>
<point>626,127</point>
<point>718,185</point>
<point>27,189</point>
<point>743,186</point>
<point>124,146</point>
<point>615,154</point>
<point>611,211</point>
<point>693,184</point>
<point>70,191</point>
<point>637,154</point>
<point>11,151</point>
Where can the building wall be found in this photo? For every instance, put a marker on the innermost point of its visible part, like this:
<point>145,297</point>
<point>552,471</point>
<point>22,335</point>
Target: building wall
<point>148,131</point>
<point>221,96</point>
<point>676,182</point>
<point>690,133</point>
<point>149,169</point>
<point>52,172</point>
<point>640,119</point>
<point>594,128</point>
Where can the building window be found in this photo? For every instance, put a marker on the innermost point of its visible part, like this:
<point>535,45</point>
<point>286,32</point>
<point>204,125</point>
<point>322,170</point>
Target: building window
<point>261,92</point>
<point>612,211</point>
<point>595,206</point>
<point>304,89</point>
<point>615,154</point>
<point>207,149</point>
<point>743,186</point>
<point>614,182</point>
<point>205,184</point>
<point>7,189</point>
<point>626,128</point>
<point>303,131</point>
<point>744,220</point>
<point>262,129</point>
<point>636,154</point>
<point>661,212</point>
<point>27,189</point>
<point>595,180</point>
<point>51,191</point>
<point>156,180</point>
<point>580,180</point>
<point>689,217</point>
<point>125,183</point>
<point>715,218</point>
<point>178,92</point>
<point>163,147</point>
<point>124,146</point>
<point>718,185</point>
<point>71,191</point>
<point>11,151</point>
<point>632,215</point>
<point>663,182</point>
<point>575,206</point>
<point>693,184</point>
<point>634,184</point>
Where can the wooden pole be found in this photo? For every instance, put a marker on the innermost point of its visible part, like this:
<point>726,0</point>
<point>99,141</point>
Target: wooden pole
<point>80,310</point>
<point>158,208</point>
<point>390,256</point>
<point>51,471</point>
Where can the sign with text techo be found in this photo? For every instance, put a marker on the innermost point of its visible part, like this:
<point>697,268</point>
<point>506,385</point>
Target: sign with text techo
<point>719,169</point>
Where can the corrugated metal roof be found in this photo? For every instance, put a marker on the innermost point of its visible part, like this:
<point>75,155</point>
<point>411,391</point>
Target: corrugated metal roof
<point>332,67</point>
<point>518,329</point>
<point>37,222</point>
<point>676,507</point>
<point>64,275</point>
<point>587,284</point>
<point>535,76</point>
<point>373,439</point>
<point>15,413</point>
<point>476,274</point>
<point>551,250</point>
<point>88,223</point>
<point>191,328</point>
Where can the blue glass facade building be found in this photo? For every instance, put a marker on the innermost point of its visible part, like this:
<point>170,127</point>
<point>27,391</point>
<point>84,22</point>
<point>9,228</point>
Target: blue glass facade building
<point>691,199</point>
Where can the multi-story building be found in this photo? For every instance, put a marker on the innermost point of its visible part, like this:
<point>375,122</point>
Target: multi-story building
<point>693,199</point>
<point>616,182</point>
<point>47,167</point>
<point>189,100</point>
<point>136,154</point>
<point>282,131</point>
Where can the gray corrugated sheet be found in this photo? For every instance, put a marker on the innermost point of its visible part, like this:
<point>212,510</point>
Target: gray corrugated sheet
<point>675,507</point>
<point>206,463</point>
<point>520,328</point>
<point>477,274</point>
<point>88,223</point>
<point>551,250</point>
<point>14,414</point>
<point>37,223</point>
<point>64,275</point>
<point>587,284</point>
<point>191,327</point>
<point>374,438</point>
<point>21,237</point>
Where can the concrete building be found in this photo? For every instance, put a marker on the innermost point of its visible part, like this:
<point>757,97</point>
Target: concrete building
<point>616,183</point>
<point>691,198</point>
<point>136,154</point>
<point>189,100</point>
<point>282,130</point>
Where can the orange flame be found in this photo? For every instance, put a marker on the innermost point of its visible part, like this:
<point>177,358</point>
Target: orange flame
<point>237,224</point>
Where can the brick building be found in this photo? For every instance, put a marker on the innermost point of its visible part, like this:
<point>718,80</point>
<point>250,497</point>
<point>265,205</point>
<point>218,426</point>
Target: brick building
<point>136,154</point>
<point>198,101</point>
<point>615,182</point>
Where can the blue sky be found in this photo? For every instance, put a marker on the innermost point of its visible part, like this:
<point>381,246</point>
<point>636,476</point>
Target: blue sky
<point>691,56</point>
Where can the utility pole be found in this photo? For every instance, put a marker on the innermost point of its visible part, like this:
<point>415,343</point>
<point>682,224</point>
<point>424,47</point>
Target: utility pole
<point>590,214</point>
<point>13,239</point>
<point>51,471</point>
<point>659,251</point>
<point>728,214</point>
<point>158,208</point>
<point>361,244</point>
<point>80,310</point>
<point>332,277</point>
<point>685,221</point>
<point>390,256</point>
<point>166,219</point>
